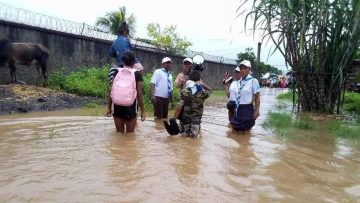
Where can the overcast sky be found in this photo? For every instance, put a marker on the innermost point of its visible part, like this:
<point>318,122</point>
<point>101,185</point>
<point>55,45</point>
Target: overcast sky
<point>210,25</point>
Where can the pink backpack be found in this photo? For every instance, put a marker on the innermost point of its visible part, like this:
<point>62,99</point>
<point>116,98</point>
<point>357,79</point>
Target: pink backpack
<point>123,90</point>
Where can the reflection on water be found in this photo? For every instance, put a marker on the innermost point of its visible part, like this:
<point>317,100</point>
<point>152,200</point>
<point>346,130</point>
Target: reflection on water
<point>49,157</point>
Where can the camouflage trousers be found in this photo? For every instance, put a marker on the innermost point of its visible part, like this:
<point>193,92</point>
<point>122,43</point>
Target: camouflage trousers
<point>189,130</point>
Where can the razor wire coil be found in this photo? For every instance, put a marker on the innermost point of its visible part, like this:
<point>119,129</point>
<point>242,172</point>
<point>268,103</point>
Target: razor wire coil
<point>22,16</point>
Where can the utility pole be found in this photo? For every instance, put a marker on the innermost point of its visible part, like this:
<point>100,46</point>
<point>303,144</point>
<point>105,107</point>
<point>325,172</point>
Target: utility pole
<point>256,72</point>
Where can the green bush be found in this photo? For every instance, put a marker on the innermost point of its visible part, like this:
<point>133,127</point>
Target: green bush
<point>352,102</point>
<point>147,91</point>
<point>85,82</point>
<point>57,79</point>
<point>88,82</point>
<point>94,82</point>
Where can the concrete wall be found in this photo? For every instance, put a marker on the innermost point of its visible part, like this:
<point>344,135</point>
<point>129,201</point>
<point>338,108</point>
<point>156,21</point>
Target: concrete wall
<point>73,52</point>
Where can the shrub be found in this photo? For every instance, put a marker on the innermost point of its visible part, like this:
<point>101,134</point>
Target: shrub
<point>94,82</point>
<point>352,102</point>
<point>88,82</point>
<point>57,79</point>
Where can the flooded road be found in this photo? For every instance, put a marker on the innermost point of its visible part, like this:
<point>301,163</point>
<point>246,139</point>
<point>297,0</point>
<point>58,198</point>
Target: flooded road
<point>66,157</point>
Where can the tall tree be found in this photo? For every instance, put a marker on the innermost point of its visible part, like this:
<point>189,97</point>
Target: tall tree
<point>112,20</point>
<point>263,68</point>
<point>318,39</point>
<point>248,55</point>
<point>167,39</point>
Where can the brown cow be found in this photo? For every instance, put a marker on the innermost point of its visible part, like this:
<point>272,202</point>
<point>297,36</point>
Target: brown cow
<point>25,54</point>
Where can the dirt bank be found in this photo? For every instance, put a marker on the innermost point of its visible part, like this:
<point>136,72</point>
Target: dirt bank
<point>27,98</point>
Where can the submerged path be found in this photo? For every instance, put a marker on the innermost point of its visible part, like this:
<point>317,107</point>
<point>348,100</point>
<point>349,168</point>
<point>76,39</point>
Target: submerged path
<point>64,157</point>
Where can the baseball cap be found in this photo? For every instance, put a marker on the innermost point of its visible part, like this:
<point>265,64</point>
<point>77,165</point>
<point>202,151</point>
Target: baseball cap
<point>165,59</point>
<point>188,60</point>
<point>245,63</point>
<point>237,69</point>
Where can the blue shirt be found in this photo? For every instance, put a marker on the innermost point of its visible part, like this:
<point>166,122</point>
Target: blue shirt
<point>119,47</point>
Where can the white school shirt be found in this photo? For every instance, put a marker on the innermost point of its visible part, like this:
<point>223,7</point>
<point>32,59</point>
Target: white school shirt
<point>250,88</point>
<point>160,79</point>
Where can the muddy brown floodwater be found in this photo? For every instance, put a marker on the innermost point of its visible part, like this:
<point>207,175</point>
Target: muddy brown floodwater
<point>68,157</point>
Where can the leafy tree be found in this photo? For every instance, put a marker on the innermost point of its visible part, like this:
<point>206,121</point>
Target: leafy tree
<point>112,20</point>
<point>318,39</point>
<point>263,68</point>
<point>167,39</point>
<point>248,55</point>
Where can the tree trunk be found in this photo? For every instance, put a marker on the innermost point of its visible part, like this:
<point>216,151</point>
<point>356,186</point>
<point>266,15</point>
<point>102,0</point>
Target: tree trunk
<point>315,94</point>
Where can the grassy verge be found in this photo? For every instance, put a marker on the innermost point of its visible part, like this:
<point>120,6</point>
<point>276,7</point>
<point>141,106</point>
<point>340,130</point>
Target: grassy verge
<point>287,96</point>
<point>288,126</point>
<point>93,81</point>
<point>217,96</point>
<point>352,102</point>
<point>88,81</point>
<point>345,129</point>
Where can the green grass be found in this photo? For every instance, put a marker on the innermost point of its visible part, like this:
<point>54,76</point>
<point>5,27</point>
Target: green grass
<point>288,127</point>
<point>277,120</point>
<point>285,125</point>
<point>345,129</point>
<point>352,102</point>
<point>287,96</point>
<point>217,96</point>
<point>281,106</point>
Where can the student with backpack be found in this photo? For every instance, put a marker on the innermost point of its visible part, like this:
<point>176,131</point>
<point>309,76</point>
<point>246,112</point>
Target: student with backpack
<point>125,93</point>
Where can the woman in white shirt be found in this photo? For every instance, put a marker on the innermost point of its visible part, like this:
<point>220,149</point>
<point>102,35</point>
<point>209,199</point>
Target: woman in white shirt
<point>244,95</point>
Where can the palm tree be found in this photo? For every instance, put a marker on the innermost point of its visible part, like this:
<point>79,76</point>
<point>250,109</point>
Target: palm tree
<point>318,39</point>
<point>112,20</point>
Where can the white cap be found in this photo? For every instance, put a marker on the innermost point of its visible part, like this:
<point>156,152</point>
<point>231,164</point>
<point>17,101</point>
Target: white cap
<point>245,63</point>
<point>165,59</point>
<point>237,69</point>
<point>188,60</point>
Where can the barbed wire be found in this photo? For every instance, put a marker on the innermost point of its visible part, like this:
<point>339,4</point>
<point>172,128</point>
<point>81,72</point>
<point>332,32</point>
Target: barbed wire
<point>18,15</point>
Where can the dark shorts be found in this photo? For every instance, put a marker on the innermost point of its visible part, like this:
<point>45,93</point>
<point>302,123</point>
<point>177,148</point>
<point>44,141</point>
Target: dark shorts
<point>161,107</point>
<point>125,112</point>
<point>243,118</point>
